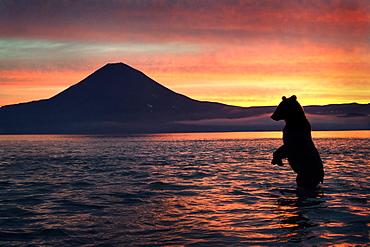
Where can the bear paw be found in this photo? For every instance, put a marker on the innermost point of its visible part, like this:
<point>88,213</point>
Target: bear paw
<point>278,162</point>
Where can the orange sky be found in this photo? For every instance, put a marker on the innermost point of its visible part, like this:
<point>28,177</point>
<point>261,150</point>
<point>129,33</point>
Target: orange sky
<point>246,53</point>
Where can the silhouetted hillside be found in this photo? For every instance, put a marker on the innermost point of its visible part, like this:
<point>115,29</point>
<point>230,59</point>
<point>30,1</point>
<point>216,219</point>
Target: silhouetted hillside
<point>119,99</point>
<point>115,98</point>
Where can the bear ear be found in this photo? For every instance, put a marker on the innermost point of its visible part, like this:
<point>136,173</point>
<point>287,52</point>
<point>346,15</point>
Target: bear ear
<point>293,97</point>
<point>284,98</point>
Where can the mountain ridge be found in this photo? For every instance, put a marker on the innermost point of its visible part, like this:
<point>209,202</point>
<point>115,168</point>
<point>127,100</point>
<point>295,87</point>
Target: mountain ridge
<point>120,99</point>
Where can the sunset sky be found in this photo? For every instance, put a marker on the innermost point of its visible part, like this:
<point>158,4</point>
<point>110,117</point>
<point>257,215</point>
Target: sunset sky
<point>245,53</point>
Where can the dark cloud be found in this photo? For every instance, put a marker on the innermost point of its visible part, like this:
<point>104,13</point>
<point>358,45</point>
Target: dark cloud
<point>189,21</point>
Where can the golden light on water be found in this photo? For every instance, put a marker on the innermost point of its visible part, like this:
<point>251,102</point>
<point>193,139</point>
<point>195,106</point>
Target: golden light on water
<point>341,134</point>
<point>180,189</point>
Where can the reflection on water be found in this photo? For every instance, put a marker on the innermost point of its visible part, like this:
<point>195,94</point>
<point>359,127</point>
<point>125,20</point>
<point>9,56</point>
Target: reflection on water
<point>178,189</point>
<point>294,209</point>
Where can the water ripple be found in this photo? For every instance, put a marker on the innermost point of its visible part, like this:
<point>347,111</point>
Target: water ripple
<point>177,190</point>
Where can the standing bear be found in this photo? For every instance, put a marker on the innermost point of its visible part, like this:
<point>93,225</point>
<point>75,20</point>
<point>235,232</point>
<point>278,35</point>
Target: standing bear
<point>298,146</point>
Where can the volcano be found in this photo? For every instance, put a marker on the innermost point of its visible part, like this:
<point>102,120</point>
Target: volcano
<point>114,99</point>
<point>118,99</point>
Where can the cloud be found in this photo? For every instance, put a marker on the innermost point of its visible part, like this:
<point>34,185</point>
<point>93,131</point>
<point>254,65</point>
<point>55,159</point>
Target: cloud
<point>259,49</point>
<point>263,122</point>
<point>333,122</point>
<point>194,22</point>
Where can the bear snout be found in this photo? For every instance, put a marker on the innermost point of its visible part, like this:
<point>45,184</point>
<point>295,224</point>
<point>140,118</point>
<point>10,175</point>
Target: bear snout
<point>274,117</point>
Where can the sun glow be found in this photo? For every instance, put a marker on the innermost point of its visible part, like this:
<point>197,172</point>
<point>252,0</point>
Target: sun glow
<point>250,55</point>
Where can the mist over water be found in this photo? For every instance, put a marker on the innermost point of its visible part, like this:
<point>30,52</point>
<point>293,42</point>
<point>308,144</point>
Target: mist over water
<point>179,189</point>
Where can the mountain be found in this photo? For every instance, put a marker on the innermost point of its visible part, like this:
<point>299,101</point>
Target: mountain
<point>115,98</point>
<point>120,99</point>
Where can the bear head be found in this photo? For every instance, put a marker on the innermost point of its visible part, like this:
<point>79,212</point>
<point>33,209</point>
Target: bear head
<point>288,109</point>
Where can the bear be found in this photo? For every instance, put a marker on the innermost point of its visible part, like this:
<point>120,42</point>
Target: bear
<point>298,147</point>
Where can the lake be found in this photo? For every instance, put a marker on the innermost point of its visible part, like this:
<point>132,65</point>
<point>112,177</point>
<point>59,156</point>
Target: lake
<point>193,189</point>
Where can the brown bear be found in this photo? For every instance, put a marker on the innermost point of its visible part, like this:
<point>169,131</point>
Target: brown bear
<point>298,146</point>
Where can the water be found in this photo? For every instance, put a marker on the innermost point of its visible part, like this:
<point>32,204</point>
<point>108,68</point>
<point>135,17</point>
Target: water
<point>179,189</point>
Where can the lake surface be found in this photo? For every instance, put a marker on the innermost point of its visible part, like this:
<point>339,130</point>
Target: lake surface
<point>208,189</point>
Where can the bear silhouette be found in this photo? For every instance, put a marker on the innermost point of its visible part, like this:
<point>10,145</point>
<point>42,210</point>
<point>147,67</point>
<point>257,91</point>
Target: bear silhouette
<point>298,146</point>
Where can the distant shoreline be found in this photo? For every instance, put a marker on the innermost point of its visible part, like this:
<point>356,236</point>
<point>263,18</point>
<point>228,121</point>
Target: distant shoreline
<point>263,132</point>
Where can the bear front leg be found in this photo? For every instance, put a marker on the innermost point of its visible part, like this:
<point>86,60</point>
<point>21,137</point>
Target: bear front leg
<point>278,155</point>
